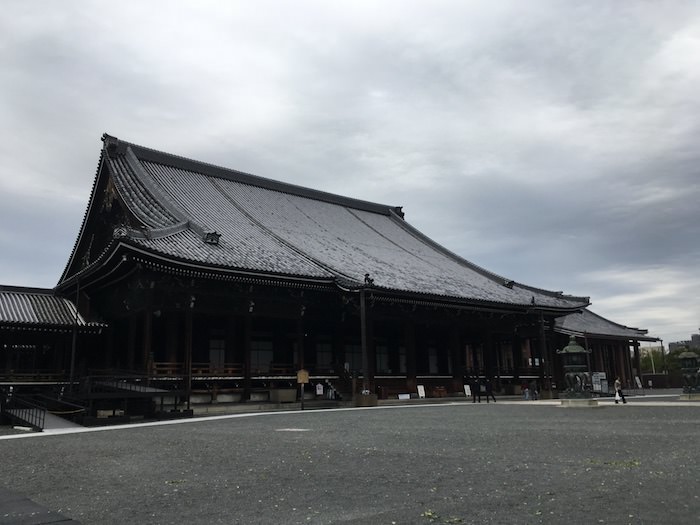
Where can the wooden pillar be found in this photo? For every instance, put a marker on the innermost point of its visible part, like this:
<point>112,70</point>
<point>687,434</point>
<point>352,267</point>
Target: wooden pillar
<point>630,364</point>
<point>365,334</point>
<point>488,353</point>
<point>517,351</point>
<point>171,344</point>
<point>247,337</point>
<point>107,339</point>
<point>189,322</point>
<point>596,358</point>
<point>300,343</point>
<point>147,341</point>
<point>551,372</point>
<point>6,350</point>
<point>230,340</point>
<point>542,349</point>
<point>338,342</point>
<point>410,331</point>
<point>454,356</point>
<point>637,360</point>
<point>131,343</point>
<point>498,349</point>
<point>371,353</point>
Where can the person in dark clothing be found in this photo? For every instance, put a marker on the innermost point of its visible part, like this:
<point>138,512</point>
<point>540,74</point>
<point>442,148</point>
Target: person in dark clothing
<point>489,391</point>
<point>534,391</point>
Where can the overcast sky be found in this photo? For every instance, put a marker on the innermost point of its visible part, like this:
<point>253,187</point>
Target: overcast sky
<point>554,143</point>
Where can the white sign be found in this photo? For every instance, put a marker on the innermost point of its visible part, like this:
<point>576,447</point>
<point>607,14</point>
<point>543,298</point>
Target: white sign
<point>421,391</point>
<point>599,381</point>
<point>319,389</point>
<point>467,390</point>
<point>637,381</point>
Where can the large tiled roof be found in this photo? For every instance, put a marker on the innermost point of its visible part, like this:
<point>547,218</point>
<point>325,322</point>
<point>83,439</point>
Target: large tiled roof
<point>277,228</point>
<point>588,324</point>
<point>37,306</point>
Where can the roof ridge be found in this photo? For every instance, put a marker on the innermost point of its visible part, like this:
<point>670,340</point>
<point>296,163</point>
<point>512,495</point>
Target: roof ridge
<point>144,153</point>
<point>26,289</point>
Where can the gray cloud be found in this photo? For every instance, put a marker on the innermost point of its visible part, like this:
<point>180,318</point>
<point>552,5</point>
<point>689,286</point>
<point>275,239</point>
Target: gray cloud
<point>551,142</point>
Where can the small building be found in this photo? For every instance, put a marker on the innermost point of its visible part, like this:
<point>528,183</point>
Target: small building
<point>614,348</point>
<point>39,332</point>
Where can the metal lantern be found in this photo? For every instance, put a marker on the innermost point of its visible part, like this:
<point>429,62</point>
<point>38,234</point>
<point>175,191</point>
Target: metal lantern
<point>689,368</point>
<point>575,362</point>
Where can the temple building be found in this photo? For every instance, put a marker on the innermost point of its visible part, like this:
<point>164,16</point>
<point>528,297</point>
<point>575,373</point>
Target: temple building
<point>216,285</point>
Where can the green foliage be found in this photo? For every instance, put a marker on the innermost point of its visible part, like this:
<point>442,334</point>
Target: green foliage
<point>672,361</point>
<point>652,360</point>
<point>662,362</point>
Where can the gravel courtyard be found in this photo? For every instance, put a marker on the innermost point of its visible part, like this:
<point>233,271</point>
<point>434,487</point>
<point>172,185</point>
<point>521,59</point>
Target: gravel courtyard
<point>507,463</point>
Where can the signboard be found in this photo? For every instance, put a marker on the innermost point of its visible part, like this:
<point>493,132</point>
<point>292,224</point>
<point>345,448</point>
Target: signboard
<point>637,382</point>
<point>600,382</point>
<point>303,376</point>
<point>319,389</point>
<point>421,391</point>
<point>467,390</point>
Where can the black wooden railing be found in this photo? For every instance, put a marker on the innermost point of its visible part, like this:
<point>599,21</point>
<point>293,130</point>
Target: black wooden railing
<point>23,410</point>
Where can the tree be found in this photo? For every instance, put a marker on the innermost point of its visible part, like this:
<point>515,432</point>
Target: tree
<point>656,361</point>
<point>652,361</point>
<point>672,361</point>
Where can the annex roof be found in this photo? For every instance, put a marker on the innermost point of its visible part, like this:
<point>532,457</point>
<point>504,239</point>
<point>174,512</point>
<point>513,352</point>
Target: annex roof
<point>195,212</point>
<point>24,307</point>
<point>588,324</point>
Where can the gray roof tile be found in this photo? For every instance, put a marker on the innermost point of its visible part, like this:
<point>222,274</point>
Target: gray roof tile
<point>284,229</point>
<point>32,306</point>
<point>586,323</point>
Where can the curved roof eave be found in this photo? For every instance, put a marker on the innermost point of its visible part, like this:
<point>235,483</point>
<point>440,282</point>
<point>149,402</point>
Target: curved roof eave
<point>581,300</point>
<point>86,215</point>
<point>593,335</point>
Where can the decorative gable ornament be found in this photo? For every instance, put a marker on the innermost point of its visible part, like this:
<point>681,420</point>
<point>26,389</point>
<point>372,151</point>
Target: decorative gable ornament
<point>212,238</point>
<point>120,232</point>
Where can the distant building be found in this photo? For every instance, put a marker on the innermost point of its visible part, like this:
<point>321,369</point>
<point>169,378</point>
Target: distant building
<point>677,345</point>
<point>693,342</point>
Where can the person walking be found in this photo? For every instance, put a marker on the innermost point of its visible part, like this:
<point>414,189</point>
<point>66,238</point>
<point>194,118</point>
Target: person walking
<point>534,392</point>
<point>489,391</point>
<point>619,396</point>
<point>476,390</point>
<point>526,391</point>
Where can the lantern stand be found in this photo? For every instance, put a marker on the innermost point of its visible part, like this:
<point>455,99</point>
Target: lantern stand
<point>578,392</point>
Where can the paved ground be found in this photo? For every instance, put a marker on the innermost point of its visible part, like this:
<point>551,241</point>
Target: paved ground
<point>509,463</point>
